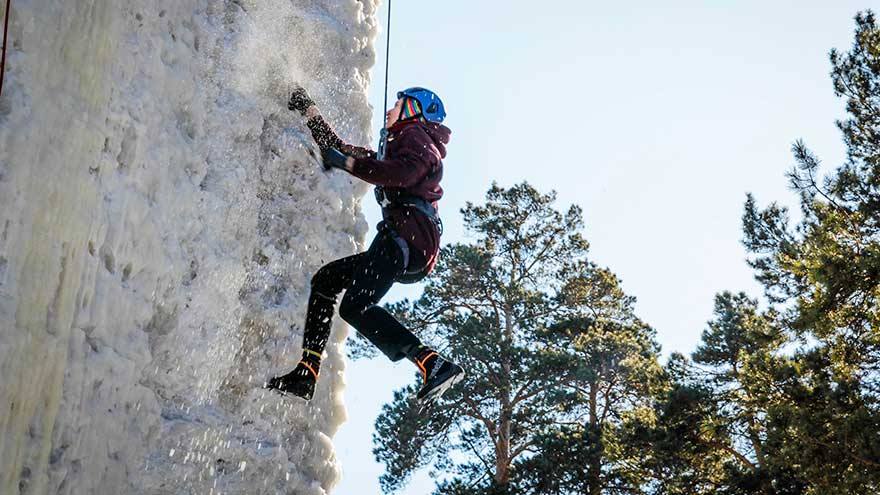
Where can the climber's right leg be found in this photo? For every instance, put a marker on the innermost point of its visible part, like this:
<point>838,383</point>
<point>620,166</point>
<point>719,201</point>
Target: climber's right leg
<point>327,283</point>
<point>373,278</point>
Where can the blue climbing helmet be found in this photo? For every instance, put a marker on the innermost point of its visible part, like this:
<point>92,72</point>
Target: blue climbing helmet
<point>432,106</point>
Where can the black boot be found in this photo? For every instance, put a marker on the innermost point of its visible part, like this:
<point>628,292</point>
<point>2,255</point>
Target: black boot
<point>439,375</point>
<point>299,382</point>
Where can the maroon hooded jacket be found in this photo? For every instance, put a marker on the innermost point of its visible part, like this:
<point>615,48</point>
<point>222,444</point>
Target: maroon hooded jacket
<point>413,165</point>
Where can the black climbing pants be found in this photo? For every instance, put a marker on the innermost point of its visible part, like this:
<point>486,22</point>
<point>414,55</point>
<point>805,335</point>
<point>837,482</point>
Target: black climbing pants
<point>366,277</point>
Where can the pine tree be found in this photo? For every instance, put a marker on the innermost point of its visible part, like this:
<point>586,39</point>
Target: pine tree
<point>737,350</point>
<point>613,357</point>
<point>521,308</point>
<point>787,401</point>
<point>711,428</point>
<point>829,267</point>
<point>686,454</point>
<point>825,276</point>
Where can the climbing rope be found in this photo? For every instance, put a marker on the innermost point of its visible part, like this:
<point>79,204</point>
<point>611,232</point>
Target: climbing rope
<point>383,134</point>
<point>5,32</point>
<point>387,54</point>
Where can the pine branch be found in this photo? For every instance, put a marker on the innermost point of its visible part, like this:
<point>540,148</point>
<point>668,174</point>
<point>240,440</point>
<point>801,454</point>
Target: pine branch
<point>522,448</point>
<point>540,255</point>
<point>488,423</point>
<point>607,395</point>
<point>736,454</point>
<point>476,452</point>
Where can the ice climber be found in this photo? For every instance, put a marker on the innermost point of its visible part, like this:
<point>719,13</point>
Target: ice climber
<point>405,249</point>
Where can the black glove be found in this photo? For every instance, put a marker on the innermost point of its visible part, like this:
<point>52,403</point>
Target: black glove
<point>300,100</point>
<point>333,158</point>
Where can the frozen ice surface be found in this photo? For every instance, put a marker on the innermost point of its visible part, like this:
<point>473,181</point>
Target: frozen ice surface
<point>161,214</point>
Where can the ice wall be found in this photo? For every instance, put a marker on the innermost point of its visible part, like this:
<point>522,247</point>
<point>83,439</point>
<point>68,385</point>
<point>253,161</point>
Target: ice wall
<point>161,212</point>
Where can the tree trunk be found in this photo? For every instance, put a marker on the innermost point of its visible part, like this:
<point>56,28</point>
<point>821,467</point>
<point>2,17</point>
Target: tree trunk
<point>594,468</point>
<point>502,452</point>
<point>754,437</point>
<point>758,448</point>
<point>502,449</point>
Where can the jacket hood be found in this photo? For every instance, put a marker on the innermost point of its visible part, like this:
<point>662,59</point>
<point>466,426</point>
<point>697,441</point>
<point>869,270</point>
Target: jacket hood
<point>438,133</point>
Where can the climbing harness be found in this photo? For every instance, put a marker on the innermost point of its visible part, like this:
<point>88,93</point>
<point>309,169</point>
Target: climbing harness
<point>5,34</point>
<point>383,134</point>
<point>399,200</point>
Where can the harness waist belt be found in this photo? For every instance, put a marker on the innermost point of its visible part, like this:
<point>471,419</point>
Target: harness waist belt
<point>402,200</point>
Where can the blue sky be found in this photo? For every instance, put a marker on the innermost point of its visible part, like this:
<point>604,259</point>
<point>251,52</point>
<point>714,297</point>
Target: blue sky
<point>655,119</point>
